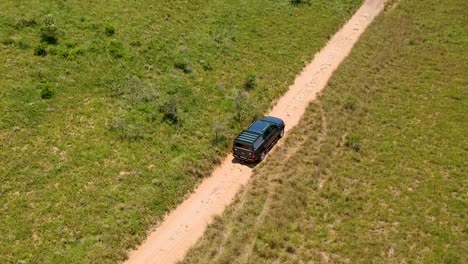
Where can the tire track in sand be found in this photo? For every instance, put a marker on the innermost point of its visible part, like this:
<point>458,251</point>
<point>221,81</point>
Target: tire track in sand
<point>182,227</point>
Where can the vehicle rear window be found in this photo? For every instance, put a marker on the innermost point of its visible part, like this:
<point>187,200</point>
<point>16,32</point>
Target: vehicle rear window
<point>242,145</point>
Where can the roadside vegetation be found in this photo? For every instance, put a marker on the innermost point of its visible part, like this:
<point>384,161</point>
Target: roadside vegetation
<point>112,111</point>
<point>376,172</point>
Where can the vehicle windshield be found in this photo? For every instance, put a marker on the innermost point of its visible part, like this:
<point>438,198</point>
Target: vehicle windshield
<point>258,126</point>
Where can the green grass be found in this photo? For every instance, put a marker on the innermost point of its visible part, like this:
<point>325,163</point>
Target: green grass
<point>376,172</point>
<point>109,110</point>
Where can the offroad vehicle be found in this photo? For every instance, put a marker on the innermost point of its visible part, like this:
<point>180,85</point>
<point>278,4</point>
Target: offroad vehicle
<point>253,144</point>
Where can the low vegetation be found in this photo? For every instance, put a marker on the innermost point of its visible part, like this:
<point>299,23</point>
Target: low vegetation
<point>111,111</point>
<point>376,172</point>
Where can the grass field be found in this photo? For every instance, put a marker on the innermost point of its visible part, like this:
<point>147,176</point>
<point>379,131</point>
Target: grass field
<point>109,110</point>
<point>376,172</point>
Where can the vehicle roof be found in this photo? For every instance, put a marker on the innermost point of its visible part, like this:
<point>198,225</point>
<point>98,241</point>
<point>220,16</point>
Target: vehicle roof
<point>248,137</point>
<point>258,126</point>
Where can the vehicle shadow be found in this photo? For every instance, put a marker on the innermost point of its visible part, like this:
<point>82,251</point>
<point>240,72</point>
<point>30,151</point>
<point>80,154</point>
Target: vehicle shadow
<point>247,164</point>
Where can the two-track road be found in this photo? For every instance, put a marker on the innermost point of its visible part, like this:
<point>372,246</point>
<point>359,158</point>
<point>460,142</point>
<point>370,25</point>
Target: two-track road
<point>182,227</point>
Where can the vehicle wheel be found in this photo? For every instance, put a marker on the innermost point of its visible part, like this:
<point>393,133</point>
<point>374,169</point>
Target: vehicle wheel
<point>281,133</point>
<point>262,155</point>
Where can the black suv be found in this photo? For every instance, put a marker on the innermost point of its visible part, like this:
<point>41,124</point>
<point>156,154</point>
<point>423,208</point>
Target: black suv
<point>254,143</point>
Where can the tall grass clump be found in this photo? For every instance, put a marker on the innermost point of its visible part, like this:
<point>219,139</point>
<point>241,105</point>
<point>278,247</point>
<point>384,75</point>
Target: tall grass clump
<point>21,23</point>
<point>126,131</point>
<point>240,105</point>
<point>219,133</point>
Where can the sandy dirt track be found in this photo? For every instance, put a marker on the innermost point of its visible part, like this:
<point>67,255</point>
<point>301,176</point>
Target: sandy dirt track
<point>182,227</point>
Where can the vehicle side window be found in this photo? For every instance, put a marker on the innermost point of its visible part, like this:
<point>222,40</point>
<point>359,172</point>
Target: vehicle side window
<point>269,130</point>
<point>257,143</point>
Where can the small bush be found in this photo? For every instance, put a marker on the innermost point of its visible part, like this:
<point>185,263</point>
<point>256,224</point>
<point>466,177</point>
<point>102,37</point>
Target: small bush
<point>250,81</point>
<point>65,54</point>
<point>206,65</point>
<point>136,43</point>
<point>22,44</point>
<point>46,92</point>
<point>170,111</point>
<point>109,30</point>
<point>8,42</point>
<point>353,142</point>
<point>116,49</point>
<point>183,65</point>
<point>299,2</point>
<point>196,168</point>
<point>49,30</point>
<point>350,103</point>
<point>71,44</point>
<point>53,51</point>
<point>40,50</point>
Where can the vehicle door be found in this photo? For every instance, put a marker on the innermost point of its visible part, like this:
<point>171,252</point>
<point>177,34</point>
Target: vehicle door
<point>269,135</point>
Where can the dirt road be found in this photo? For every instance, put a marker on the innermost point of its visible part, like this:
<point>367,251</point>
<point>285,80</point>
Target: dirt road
<point>185,225</point>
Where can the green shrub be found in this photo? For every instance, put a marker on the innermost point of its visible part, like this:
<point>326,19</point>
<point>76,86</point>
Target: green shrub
<point>250,81</point>
<point>53,51</point>
<point>109,30</point>
<point>65,54</point>
<point>183,65</point>
<point>8,42</point>
<point>136,43</point>
<point>40,50</point>
<point>299,2</point>
<point>116,49</point>
<point>170,111</point>
<point>206,65</point>
<point>71,44</point>
<point>353,142</point>
<point>22,44</point>
<point>49,30</point>
<point>46,92</point>
<point>350,103</point>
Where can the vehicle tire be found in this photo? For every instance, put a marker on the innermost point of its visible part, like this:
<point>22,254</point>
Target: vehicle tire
<point>281,133</point>
<point>262,155</point>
